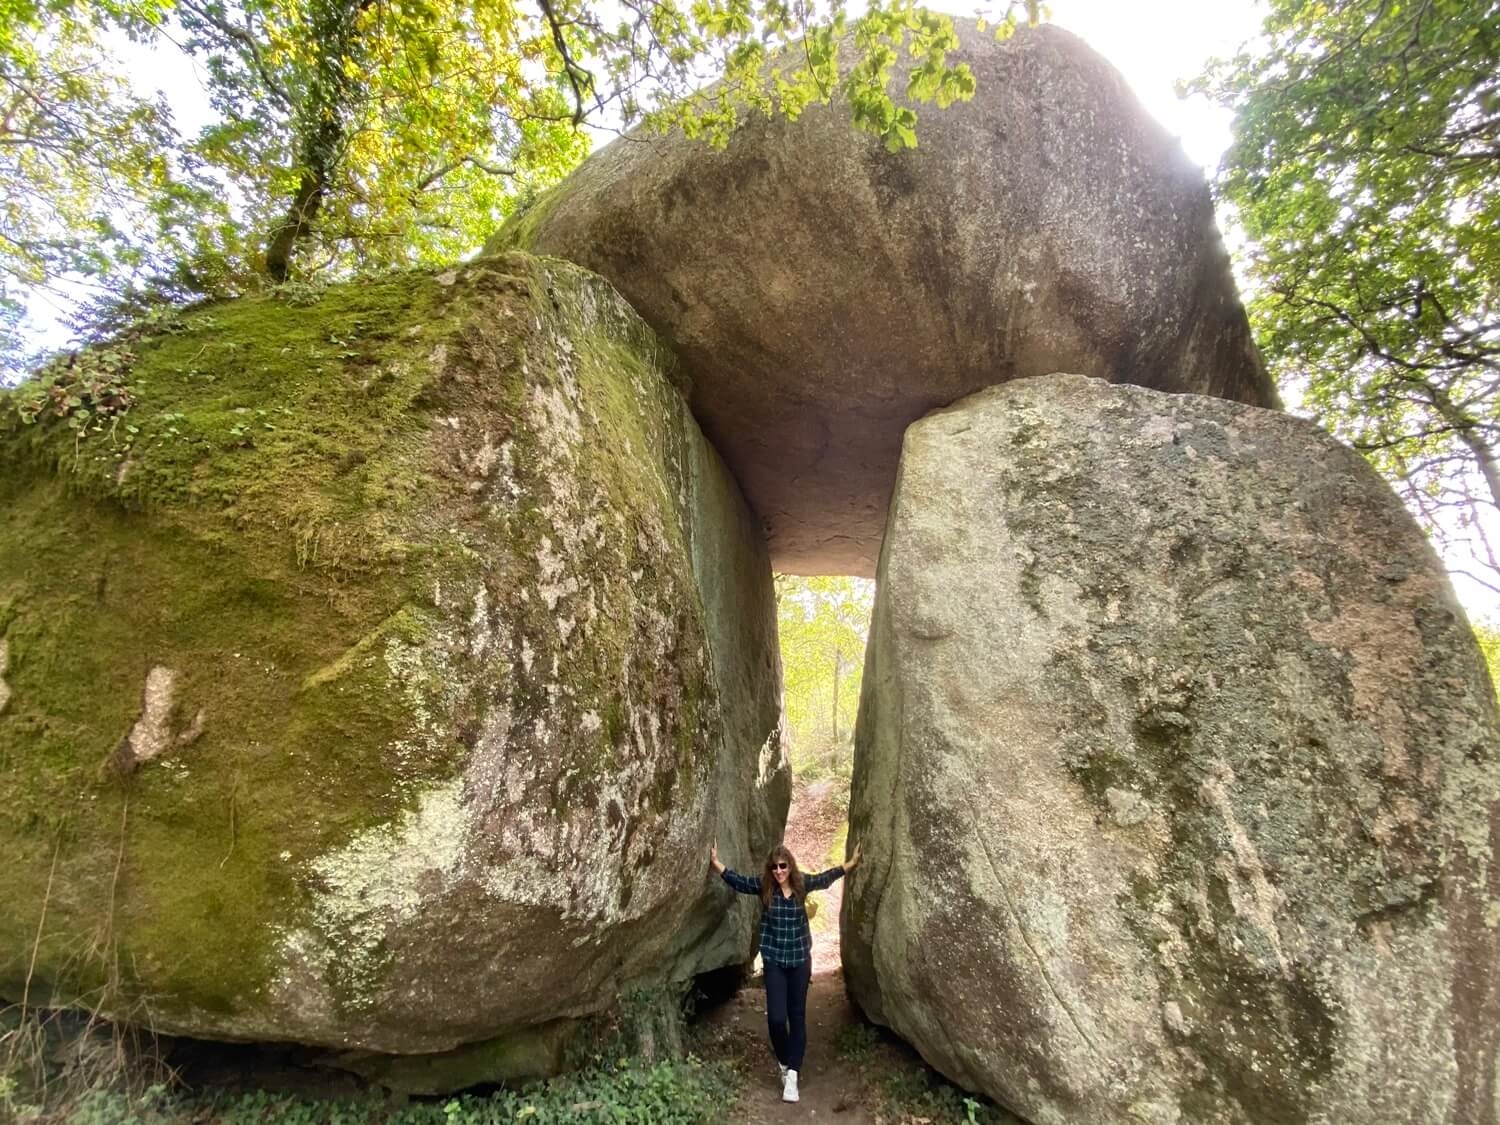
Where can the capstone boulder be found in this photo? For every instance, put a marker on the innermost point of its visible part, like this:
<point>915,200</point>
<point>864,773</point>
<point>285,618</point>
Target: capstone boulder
<point>823,293</point>
<point>380,681</point>
<point>1175,773</point>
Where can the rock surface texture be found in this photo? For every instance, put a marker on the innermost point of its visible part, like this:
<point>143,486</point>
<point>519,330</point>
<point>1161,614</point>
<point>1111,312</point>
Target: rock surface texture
<point>824,293</point>
<point>387,693</point>
<point>1175,773</point>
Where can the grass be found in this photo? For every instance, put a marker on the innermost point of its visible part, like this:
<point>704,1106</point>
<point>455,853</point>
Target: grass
<point>856,1042</point>
<point>914,1096</point>
<point>55,1065</point>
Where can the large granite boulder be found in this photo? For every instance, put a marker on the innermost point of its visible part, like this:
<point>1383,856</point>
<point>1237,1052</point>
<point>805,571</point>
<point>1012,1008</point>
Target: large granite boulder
<point>1175,773</point>
<point>824,293</point>
<point>380,680</point>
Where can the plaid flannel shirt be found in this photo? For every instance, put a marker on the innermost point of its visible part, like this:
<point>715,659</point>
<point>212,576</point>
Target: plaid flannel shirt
<point>785,938</point>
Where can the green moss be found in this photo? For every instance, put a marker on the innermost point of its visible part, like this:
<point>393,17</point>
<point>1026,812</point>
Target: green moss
<point>215,532</point>
<point>406,626</point>
<point>273,451</point>
<point>286,520</point>
<point>519,231</point>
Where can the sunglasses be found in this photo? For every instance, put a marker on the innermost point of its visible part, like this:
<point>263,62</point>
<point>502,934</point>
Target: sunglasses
<point>780,866</point>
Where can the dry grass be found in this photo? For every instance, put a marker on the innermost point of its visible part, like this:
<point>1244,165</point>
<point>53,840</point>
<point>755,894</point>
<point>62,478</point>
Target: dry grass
<point>53,1059</point>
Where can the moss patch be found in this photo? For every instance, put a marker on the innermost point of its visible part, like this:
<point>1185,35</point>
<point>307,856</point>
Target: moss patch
<point>240,526</point>
<point>345,530</point>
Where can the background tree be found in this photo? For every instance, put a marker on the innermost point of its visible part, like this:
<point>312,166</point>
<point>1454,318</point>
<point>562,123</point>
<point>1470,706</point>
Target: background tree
<point>823,624</point>
<point>86,180</point>
<point>354,135</point>
<point>363,134</point>
<point>1365,171</point>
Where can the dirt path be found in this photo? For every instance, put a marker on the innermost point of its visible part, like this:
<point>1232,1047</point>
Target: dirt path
<point>830,1085</point>
<point>812,826</point>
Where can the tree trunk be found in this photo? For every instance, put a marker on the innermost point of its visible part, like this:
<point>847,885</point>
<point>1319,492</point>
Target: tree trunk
<point>836,662</point>
<point>299,217</point>
<point>321,113</point>
<point>1468,430</point>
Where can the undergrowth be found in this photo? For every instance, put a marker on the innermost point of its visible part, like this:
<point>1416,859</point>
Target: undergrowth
<point>56,1065</point>
<point>856,1042</point>
<point>822,759</point>
<point>900,1089</point>
<point>921,1096</point>
<point>678,1092</point>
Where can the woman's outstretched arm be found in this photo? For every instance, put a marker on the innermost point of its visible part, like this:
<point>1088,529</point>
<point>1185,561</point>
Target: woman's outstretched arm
<point>742,883</point>
<point>827,878</point>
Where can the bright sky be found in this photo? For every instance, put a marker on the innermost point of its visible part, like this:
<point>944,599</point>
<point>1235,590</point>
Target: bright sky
<point>1154,43</point>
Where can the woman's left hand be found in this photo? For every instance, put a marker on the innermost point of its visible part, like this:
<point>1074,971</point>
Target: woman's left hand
<point>853,861</point>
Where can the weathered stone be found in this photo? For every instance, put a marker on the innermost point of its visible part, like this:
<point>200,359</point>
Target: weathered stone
<point>1089,592</point>
<point>824,293</point>
<point>482,641</point>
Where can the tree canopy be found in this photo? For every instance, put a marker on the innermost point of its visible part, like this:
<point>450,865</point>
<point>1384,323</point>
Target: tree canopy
<point>1365,170</point>
<point>352,135</point>
<point>81,157</point>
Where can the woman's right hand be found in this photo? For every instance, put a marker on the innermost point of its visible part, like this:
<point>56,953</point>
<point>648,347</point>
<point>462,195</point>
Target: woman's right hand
<point>713,858</point>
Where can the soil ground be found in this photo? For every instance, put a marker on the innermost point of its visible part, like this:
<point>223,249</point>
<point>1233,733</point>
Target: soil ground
<point>817,817</point>
<point>831,1087</point>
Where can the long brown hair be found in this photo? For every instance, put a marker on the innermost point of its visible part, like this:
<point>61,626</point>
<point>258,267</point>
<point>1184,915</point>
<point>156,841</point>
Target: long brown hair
<point>768,884</point>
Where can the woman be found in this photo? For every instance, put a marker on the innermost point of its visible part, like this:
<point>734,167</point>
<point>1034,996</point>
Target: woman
<point>785,948</point>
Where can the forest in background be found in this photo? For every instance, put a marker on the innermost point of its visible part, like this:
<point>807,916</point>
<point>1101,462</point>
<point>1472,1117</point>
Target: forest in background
<point>1364,178</point>
<point>823,624</point>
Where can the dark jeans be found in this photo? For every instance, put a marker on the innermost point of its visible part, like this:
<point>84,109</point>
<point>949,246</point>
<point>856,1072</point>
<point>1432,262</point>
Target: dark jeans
<point>786,1011</point>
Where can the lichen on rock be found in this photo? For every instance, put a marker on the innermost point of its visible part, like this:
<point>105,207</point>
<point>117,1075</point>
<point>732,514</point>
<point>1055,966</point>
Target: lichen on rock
<point>429,572</point>
<point>1176,773</point>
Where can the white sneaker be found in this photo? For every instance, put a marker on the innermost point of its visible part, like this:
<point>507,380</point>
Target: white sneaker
<point>789,1087</point>
<point>782,1068</point>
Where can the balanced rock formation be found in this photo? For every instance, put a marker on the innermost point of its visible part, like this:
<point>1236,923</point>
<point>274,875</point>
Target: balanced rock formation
<point>1176,773</point>
<point>824,293</point>
<point>382,684</point>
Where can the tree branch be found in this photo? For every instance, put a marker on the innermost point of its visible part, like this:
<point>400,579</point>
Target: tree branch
<point>246,39</point>
<point>579,78</point>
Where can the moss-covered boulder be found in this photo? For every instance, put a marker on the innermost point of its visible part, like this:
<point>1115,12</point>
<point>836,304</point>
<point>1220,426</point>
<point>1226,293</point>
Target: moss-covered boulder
<point>380,679</point>
<point>1175,773</point>
<point>824,293</point>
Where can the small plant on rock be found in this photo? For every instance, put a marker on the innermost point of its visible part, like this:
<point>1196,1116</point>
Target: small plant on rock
<point>87,389</point>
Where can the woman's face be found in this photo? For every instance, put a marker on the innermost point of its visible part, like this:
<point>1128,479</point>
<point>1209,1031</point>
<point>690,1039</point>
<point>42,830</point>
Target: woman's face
<point>781,870</point>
